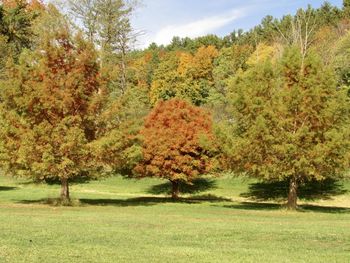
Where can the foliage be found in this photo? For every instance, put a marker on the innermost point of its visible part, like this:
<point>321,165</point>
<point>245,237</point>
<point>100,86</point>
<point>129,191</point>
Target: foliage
<point>230,61</point>
<point>293,125</point>
<point>117,146</point>
<point>106,23</point>
<point>341,60</point>
<point>191,45</point>
<point>16,18</point>
<point>49,105</point>
<point>165,79</point>
<point>50,22</point>
<point>262,53</point>
<point>177,142</point>
<point>183,75</point>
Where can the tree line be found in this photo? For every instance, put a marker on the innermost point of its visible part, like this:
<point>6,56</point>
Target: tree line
<point>78,101</point>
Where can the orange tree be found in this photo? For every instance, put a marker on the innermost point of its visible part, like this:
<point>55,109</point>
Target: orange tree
<point>49,105</point>
<point>178,143</point>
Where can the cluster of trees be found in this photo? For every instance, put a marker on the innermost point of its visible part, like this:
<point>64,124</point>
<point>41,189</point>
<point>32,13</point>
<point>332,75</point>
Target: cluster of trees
<point>271,102</point>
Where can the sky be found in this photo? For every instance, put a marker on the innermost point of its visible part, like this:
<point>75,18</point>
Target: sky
<point>161,20</point>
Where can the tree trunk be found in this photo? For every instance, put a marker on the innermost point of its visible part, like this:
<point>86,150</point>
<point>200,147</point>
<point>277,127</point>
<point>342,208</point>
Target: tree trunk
<point>292,194</point>
<point>64,189</point>
<point>175,189</point>
<point>123,71</point>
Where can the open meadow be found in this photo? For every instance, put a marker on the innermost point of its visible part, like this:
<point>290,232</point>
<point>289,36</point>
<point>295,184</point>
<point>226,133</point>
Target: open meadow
<point>123,220</point>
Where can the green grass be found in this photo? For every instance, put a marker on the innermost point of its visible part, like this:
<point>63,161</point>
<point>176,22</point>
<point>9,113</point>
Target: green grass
<point>224,220</point>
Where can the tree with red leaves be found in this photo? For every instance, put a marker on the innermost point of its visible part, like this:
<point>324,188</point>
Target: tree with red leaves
<point>177,143</point>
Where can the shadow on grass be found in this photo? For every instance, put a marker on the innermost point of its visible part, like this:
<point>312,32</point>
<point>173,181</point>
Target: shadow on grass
<point>278,190</point>
<point>7,188</point>
<point>301,208</point>
<point>148,201</point>
<point>138,201</point>
<point>197,186</point>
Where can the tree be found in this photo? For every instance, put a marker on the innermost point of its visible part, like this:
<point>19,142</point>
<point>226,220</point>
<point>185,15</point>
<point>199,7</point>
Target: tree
<point>16,18</point>
<point>50,102</point>
<point>177,143</point>
<point>85,12</point>
<point>229,62</point>
<point>291,122</point>
<point>328,15</point>
<point>165,81</point>
<point>185,76</point>
<point>50,21</point>
<point>301,30</point>
<point>261,53</point>
<point>326,39</point>
<point>196,75</point>
<point>142,68</point>
<point>117,146</point>
<point>107,24</point>
<point>346,8</point>
<point>341,56</point>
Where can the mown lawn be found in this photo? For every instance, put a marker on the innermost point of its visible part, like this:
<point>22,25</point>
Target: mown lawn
<point>223,220</point>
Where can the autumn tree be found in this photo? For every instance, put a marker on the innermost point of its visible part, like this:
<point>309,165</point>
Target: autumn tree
<point>142,67</point>
<point>291,122</point>
<point>165,78</point>
<point>186,76</point>
<point>177,143</point>
<point>49,105</point>
<point>196,73</point>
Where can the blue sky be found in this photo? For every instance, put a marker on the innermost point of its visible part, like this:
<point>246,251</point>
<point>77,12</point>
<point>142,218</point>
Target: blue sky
<point>160,20</point>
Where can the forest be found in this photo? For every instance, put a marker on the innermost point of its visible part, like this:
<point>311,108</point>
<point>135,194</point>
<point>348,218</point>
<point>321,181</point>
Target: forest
<point>79,102</point>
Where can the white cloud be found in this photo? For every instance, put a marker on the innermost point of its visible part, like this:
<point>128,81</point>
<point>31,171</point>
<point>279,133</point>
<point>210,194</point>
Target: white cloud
<point>197,28</point>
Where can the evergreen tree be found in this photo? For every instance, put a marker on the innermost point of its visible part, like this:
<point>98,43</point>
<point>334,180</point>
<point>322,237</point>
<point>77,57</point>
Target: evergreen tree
<point>50,102</point>
<point>16,19</point>
<point>107,24</point>
<point>346,8</point>
<point>291,122</point>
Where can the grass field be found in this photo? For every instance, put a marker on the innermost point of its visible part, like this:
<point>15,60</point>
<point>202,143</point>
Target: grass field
<point>222,220</point>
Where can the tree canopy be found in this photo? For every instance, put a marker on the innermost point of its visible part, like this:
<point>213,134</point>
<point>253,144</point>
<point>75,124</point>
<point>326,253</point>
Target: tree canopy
<point>291,121</point>
<point>177,143</point>
<point>49,103</point>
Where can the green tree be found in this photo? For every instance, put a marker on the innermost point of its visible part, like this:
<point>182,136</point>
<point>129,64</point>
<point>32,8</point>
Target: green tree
<point>50,102</point>
<point>50,21</point>
<point>107,24</point>
<point>166,79</point>
<point>183,75</point>
<point>291,122</point>
<point>117,148</point>
<point>85,13</point>
<point>16,18</point>
<point>346,8</point>
<point>341,59</point>
<point>230,61</point>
